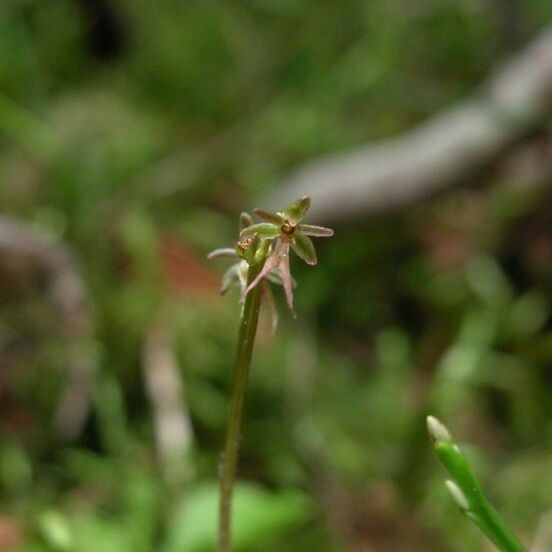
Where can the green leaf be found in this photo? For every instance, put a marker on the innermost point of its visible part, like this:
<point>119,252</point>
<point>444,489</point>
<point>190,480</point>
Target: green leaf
<point>264,230</point>
<point>56,530</point>
<point>274,218</point>
<point>317,231</point>
<point>94,533</point>
<point>303,246</point>
<point>257,515</point>
<point>296,211</point>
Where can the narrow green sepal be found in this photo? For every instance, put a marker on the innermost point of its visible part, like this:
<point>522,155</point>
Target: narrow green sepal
<point>264,230</point>
<point>296,211</point>
<point>316,231</point>
<point>303,246</point>
<point>268,216</point>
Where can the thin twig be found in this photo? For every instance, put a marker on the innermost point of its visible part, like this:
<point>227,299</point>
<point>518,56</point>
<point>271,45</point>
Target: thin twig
<point>173,428</point>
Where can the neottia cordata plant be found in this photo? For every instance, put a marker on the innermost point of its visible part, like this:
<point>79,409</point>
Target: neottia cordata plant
<point>262,257</point>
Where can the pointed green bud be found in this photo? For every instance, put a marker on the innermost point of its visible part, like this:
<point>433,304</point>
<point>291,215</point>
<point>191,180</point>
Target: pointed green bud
<point>303,246</point>
<point>246,247</point>
<point>437,430</point>
<point>274,218</point>
<point>262,251</point>
<point>316,231</point>
<point>264,230</point>
<point>296,211</point>
<point>457,494</point>
<point>245,220</point>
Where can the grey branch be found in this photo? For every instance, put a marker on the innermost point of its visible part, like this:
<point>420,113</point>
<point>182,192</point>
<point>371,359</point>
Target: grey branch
<point>25,250</point>
<point>438,153</point>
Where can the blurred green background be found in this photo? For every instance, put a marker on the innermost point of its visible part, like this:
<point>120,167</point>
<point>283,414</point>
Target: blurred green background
<point>132,133</point>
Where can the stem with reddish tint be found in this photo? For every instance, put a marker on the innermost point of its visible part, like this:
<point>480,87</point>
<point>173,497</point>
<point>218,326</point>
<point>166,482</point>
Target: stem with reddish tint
<point>246,338</point>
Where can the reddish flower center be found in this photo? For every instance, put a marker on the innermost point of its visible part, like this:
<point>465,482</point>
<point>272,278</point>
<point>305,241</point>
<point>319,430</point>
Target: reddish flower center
<point>287,228</point>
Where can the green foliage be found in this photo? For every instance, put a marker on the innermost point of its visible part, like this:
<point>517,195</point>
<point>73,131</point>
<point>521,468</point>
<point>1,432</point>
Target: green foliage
<point>258,515</point>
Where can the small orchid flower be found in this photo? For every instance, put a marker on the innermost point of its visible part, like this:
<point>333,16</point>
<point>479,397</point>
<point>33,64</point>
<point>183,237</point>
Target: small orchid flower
<point>263,250</point>
<point>248,250</point>
<point>284,231</point>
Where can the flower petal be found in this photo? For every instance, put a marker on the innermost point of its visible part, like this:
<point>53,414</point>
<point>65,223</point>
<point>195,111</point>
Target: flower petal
<point>275,218</point>
<point>317,231</point>
<point>264,230</point>
<point>270,264</point>
<point>269,299</point>
<point>276,278</point>
<point>296,211</point>
<point>223,252</point>
<point>303,246</point>
<point>245,220</point>
<point>283,265</point>
<point>230,277</point>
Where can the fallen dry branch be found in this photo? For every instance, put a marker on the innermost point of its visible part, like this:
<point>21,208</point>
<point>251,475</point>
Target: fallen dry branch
<point>437,154</point>
<point>24,250</point>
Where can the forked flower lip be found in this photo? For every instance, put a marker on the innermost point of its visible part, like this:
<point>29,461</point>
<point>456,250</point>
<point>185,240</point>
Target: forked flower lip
<point>285,231</point>
<point>277,260</point>
<point>270,242</point>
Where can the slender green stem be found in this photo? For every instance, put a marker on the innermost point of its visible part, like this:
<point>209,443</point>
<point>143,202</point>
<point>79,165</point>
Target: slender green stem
<point>246,337</point>
<point>489,521</point>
